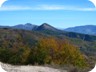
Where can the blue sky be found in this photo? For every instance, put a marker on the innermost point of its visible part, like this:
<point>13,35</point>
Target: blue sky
<point>58,13</point>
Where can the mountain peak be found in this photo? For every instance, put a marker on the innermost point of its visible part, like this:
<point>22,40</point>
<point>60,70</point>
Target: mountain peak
<point>28,24</point>
<point>46,26</point>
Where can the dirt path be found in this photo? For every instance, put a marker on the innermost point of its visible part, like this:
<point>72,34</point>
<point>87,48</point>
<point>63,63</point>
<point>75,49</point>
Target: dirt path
<point>10,68</point>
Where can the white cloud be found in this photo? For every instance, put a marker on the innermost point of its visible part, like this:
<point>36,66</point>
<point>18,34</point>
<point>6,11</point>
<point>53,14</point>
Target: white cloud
<point>61,7</point>
<point>46,7</point>
<point>50,7</point>
<point>82,9</point>
<point>13,8</point>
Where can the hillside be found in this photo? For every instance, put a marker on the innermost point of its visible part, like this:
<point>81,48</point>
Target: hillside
<point>47,46</point>
<point>83,40</point>
<point>87,29</point>
<point>86,43</point>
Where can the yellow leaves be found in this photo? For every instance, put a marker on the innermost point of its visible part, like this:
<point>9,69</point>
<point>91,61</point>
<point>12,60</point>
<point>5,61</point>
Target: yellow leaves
<point>61,52</point>
<point>25,54</point>
<point>49,43</point>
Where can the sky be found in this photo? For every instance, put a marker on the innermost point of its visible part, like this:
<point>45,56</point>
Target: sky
<point>58,13</point>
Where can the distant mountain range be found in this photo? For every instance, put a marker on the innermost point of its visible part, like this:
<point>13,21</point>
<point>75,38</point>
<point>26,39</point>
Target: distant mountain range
<point>74,32</point>
<point>29,26</point>
<point>87,29</point>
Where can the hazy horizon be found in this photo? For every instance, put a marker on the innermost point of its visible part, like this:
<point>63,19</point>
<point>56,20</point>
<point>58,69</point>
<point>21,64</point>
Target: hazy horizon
<point>49,24</point>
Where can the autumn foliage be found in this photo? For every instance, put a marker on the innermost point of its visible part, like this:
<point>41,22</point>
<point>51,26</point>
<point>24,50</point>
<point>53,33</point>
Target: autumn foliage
<point>47,50</point>
<point>60,52</point>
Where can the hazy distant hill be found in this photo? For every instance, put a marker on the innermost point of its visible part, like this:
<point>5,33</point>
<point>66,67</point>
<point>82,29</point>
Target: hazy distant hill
<point>27,26</point>
<point>87,29</point>
<point>4,26</point>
